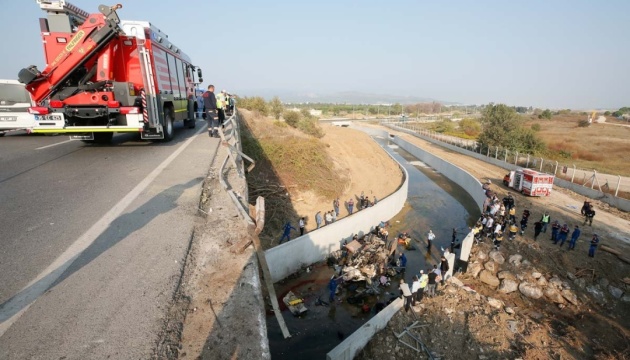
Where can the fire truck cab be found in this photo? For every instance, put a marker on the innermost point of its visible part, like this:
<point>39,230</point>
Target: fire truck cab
<point>529,182</point>
<point>104,75</point>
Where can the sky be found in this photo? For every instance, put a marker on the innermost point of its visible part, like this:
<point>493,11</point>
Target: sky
<point>555,54</point>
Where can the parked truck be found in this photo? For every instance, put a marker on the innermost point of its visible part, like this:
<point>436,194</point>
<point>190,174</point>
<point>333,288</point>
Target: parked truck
<point>106,76</point>
<point>529,182</point>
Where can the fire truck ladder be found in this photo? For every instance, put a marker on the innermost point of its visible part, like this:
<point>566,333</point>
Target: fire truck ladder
<point>151,112</point>
<point>62,15</point>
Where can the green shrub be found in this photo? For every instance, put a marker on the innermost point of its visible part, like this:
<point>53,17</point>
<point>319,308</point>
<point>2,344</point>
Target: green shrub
<point>583,123</point>
<point>311,127</point>
<point>291,117</point>
<point>536,127</point>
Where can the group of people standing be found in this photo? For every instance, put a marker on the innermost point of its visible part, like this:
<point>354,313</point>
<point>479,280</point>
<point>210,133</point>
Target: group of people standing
<point>500,216</point>
<point>425,282</point>
<point>215,108</point>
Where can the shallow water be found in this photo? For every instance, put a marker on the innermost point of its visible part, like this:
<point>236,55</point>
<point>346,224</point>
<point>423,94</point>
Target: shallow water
<point>434,202</point>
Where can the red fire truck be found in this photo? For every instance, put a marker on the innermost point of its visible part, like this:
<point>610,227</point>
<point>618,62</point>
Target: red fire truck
<point>106,76</point>
<point>529,182</point>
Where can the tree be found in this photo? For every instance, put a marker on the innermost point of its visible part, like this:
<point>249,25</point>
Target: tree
<point>502,127</point>
<point>292,117</point>
<point>276,107</point>
<point>607,113</point>
<point>545,114</point>
<point>470,127</point>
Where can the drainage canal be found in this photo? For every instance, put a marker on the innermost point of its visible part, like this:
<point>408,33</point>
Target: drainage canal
<point>434,202</point>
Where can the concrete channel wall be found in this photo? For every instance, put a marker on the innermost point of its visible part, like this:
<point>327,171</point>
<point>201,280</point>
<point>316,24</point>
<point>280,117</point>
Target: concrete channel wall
<point>619,203</point>
<point>351,346</point>
<point>315,246</point>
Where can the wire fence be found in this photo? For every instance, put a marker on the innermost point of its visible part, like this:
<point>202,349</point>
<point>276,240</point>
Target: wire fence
<point>615,185</point>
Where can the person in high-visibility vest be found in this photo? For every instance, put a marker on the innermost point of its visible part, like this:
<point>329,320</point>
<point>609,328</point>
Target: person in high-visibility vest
<point>221,107</point>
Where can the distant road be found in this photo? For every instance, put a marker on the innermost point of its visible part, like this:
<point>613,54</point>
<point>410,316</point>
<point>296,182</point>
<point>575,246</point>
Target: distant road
<point>92,242</point>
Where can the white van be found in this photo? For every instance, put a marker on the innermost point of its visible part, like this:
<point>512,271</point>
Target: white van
<point>14,104</point>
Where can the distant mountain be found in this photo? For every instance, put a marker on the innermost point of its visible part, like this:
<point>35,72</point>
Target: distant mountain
<point>350,97</point>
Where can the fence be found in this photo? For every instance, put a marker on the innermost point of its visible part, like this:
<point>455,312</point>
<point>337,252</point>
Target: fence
<point>612,189</point>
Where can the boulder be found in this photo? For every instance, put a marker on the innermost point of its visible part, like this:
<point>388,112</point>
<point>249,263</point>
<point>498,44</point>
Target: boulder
<point>597,293</point>
<point>603,282</point>
<point>506,275</point>
<point>526,263</point>
<point>556,282</point>
<point>570,296</point>
<point>488,278</point>
<point>515,259</point>
<point>482,255</point>
<point>508,286</point>
<point>625,298</point>
<point>554,295</point>
<point>455,281</point>
<point>475,268</point>
<point>509,310</point>
<point>542,282</point>
<point>497,257</point>
<point>491,266</point>
<point>571,276</point>
<point>581,283</point>
<point>530,290</point>
<point>616,292</point>
<point>497,304</point>
<point>536,275</point>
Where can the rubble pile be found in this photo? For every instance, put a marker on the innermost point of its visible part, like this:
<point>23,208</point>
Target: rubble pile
<point>362,259</point>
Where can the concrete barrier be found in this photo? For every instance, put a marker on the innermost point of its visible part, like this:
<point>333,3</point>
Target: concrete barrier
<point>315,246</point>
<point>619,203</point>
<point>351,346</point>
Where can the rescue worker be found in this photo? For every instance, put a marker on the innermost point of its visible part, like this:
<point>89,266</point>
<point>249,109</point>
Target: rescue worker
<point>574,237</point>
<point>594,243</point>
<point>564,233</point>
<point>210,104</point>
<point>444,267</point>
<point>524,224</point>
<point>430,238</point>
<point>424,280</point>
<point>332,287</point>
<point>221,107</point>
<point>589,215</point>
<point>555,227</point>
<point>545,219</point>
<point>514,230</point>
<point>287,232</point>
<point>512,213</point>
<point>406,293</point>
<point>402,262</point>
<point>497,240</point>
<point>537,229</point>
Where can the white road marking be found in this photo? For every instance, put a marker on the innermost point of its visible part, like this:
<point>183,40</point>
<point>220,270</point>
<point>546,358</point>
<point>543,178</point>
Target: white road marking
<point>55,144</point>
<point>19,303</point>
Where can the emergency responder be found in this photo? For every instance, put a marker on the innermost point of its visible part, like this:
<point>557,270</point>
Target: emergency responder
<point>589,215</point>
<point>221,107</point>
<point>545,219</point>
<point>210,104</point>
<point>594,243</point>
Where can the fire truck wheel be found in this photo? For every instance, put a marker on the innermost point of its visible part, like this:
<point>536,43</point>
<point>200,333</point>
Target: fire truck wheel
<point>191,123</point>
<point>168,124</point>
<point>2,134</point>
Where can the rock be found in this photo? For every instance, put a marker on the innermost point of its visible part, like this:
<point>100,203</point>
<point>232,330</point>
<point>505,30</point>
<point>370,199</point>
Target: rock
<point>497,304</point>
<point>554,295</point>
<point>526,263</point>
<point>581,283</point>
<point>515,259</point>
<point>603,282</point>
<point>497,257</point>
<point>536,275</point>
<point>625,298</point>
<point>482,255</point>
<point>616,292</point>
<point>556,282</point>
<point>571,276</point>
<point>475,268</point>
<point>570,296</point>
<point>506,275</point>
<point>509,310</point>
<point>536,315</point>
<point>596,292</point>
<point>542,282</point>
<point>530,290</point>
<point>508,286</point>
<point>565,285</point>
<point>455,281</point>
<point>488,278</point>
<point>520,277</point>
<point>491,266</point>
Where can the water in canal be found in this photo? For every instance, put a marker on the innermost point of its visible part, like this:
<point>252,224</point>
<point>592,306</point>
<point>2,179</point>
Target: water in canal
<point>434,202</point>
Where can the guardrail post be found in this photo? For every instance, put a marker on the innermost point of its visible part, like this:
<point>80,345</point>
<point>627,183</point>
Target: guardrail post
<point>506,152</point>
<point>555,172</point>
<point>541,163</point>
<point>618,183</point>
<point>527,165</point>
<point>488,152</point>
<point>594,178</point>
<point>516,159</point>
<point>573,175</point>
<point>496,152</point>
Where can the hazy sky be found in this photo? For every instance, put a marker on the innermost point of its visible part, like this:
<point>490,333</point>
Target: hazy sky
<point>559,54</point>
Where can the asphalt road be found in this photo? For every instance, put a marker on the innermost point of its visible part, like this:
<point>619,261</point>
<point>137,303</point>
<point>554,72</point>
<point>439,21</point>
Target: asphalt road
<point>92,240</point>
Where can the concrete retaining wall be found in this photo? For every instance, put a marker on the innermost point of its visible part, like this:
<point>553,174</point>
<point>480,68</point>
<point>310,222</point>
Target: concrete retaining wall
<point>315,246</point>
<point>357,341</point>
<point>619,203</point>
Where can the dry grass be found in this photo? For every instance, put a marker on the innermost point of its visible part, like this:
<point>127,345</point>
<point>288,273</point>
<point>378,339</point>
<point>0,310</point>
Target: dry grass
<point>599,146</point>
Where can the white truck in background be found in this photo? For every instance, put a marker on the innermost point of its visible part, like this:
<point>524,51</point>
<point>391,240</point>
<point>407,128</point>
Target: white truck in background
<point>14,104</point>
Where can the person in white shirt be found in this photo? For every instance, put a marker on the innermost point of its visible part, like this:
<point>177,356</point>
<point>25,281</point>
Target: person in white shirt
<point>301,226</point>
<point>415,287</point>
<point>404,288</point>
<point>430,238</point>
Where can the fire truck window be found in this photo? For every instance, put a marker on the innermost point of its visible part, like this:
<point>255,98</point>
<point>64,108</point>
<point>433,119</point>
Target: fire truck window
<point>181,79</point>
<point>172,70</point>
